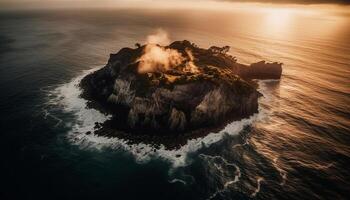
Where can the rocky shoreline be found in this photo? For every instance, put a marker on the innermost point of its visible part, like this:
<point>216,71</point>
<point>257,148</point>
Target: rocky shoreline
<point>169,94</point>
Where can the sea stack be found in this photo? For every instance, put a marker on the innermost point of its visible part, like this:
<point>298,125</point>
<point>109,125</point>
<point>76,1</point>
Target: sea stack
<point>175,89</point>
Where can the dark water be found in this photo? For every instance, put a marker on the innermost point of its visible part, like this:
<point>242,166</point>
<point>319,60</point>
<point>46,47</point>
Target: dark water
<point>297,147</point>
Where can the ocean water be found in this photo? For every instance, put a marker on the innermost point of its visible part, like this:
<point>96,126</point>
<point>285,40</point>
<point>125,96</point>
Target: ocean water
<point>296,147</point>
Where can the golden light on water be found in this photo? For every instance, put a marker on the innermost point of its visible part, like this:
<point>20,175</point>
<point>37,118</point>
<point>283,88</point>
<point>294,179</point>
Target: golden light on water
<point>282,22</point>
<point>277,17</point>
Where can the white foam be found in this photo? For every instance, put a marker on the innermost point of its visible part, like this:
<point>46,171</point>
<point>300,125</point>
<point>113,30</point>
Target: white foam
<point>257,189</point>
<point>226,180</point>
<point>176,180</point>
<point>67,96</point>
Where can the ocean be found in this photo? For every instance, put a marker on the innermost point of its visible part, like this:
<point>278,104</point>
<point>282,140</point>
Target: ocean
<point>296,147</point>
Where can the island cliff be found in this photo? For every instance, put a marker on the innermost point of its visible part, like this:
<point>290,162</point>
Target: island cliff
<point>174,90</point>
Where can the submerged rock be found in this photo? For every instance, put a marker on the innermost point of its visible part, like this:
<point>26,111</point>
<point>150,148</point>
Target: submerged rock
<point>175,89</point>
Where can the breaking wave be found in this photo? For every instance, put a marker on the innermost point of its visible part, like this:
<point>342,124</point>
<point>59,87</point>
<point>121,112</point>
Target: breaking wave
<point>67,96</point>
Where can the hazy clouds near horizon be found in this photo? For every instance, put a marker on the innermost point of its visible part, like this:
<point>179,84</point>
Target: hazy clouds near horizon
<point>140,3</point>
<point>262,1</point>
<point>296,1</point>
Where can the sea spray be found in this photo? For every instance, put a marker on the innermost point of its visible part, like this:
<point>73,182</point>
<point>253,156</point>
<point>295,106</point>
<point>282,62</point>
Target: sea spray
<point>68,97</point>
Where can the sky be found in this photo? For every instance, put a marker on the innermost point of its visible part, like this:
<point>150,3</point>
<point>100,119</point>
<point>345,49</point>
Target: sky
<point>297,1</point>
<point>23,4</point>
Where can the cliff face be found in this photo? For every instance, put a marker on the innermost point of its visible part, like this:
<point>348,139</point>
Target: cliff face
<point>197,88</point>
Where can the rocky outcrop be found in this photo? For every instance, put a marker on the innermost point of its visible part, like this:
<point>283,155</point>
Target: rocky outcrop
<point>261,70</point>
<point>202,89</point>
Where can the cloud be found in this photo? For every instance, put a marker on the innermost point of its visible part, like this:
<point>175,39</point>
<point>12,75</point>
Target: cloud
<point>159,37</point>
<point>294,1</point>
<point>156,4</point>
<point>190,66</point>
<point>157,58</point>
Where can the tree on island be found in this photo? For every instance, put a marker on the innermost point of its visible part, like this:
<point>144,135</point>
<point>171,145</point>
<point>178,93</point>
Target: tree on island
<point>225,49</point>
<point>138,45</point>
<point>222,50</point>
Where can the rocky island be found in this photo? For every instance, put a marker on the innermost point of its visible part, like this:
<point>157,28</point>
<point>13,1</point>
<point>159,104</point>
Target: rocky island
<point>176,91</point>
